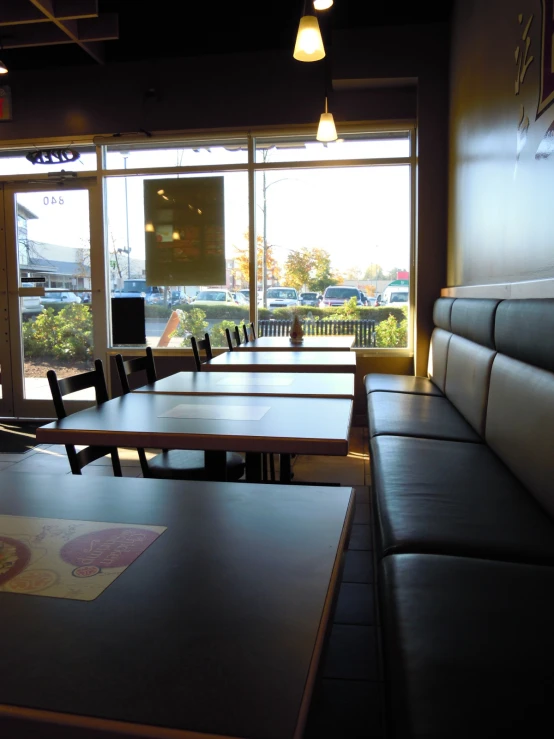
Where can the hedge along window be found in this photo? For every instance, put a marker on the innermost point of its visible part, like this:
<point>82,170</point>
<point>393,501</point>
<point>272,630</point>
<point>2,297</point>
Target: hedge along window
<point>130,228</point>
<point>342,232</point>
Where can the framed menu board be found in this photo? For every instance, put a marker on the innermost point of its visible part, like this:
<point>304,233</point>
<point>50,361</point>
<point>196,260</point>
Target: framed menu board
<point>185,231</point>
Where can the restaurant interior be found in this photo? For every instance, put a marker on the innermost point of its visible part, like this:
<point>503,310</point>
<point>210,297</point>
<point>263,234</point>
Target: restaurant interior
<point>312,520</point>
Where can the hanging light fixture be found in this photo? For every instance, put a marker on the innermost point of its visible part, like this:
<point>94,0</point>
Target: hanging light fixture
<point>322,4</point>
<point>326,130</point>
<point>3,68</point>
<point>309,44</point>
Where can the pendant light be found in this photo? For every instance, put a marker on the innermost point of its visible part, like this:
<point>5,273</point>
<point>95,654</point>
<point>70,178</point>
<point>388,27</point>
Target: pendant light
<point>3,68</point>
<point>322,4</point>
<point>326,130</point>
<point>309,44</point>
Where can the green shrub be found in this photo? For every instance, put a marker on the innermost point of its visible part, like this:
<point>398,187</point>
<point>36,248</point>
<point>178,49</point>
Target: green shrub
<point>66,334</point>
<point>391,333</point>
<point>348,310</point>
<point>223,311</point>
<point>217,333</point>
<point>191,323</point>
<point>161,312</point>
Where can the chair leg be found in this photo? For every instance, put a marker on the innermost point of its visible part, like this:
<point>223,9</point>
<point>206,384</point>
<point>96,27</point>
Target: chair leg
<point>116,464</point>
<point>143,463</point>
<point>272,467</point>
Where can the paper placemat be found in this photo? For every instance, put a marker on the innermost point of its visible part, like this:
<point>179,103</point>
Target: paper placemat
<point>59,558</point>
<point>217,413</point>
<point>250,380</point>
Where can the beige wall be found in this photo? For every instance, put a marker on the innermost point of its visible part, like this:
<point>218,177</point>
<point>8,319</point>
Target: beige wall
<point>501,202</point>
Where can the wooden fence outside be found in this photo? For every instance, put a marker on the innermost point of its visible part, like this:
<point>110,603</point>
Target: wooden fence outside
<point>363,330</point>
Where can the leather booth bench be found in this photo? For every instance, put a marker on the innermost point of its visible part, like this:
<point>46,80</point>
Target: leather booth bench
<point>462,466</point>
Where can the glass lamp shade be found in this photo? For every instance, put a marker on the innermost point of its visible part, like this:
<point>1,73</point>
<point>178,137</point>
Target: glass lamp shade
<point>326,130</point>
<point>322,4</point>
<point>3,68</point>
<point>309,44</point>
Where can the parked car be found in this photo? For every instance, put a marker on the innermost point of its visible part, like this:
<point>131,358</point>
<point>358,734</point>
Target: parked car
<point>86,298</point>
<point>60,296</point>
<point>240,299</point>
<point>31,305</point>
<point>371,301</point>
<point>338,295</point>
<point>378,299</point>
<point>309,299</point>
<point>281,297</point>
<point>213,295</point>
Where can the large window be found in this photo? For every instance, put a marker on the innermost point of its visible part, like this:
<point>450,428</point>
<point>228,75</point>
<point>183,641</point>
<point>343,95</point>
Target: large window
<point>331,237</point>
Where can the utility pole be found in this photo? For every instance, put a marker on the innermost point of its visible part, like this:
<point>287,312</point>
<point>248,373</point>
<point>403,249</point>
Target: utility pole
<point>125,155</point>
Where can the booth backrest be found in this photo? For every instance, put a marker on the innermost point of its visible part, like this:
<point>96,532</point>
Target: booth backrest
<point>494,360</point>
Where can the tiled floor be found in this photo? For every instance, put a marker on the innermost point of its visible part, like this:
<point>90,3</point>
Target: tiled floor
<point>348,699</point>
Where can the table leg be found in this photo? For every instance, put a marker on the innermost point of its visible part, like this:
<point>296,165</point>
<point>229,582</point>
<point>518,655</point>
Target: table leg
<point>253,467</point>
<point>216,463</point>
<point>285,468</point>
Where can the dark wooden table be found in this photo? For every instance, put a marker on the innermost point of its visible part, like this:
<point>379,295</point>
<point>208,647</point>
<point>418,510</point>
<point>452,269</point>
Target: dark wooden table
<point>282,361</point>
<point>343,342</point>
<point>216,630</point>
<point>255,425</point>
<point>289,384</point>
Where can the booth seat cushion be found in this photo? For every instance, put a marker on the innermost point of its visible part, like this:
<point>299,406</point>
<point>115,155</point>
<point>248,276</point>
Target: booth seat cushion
<point>467,380</point>
<point>444,497</point>
<point>474,319</point>
<point>520,424</point>
<point>400,384</point>
<point>427,416</point>
<point>468,646</point>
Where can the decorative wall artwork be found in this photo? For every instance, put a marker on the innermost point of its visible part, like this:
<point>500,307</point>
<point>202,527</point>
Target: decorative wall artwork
<point>185,231</point>
<point>546,96</point>
<point>5,103</point>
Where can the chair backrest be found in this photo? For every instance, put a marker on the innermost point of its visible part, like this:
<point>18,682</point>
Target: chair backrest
<point>201,345</point>
<point>133,366</point>
<point>229,339</point>
<point>252,332</point>
<point>59,388</point>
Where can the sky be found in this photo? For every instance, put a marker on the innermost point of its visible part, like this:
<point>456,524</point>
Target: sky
<point>360,215</point>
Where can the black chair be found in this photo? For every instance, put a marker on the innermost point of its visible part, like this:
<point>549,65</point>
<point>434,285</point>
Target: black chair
<point>252,332</point>
<point>230,340</point>
<point>174,464</point>
<point>201,345</point>
<point>93,379</point>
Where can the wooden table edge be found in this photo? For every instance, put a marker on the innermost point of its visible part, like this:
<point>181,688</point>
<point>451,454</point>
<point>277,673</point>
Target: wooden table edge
<point>148,440</point>
<point>328,607</point>
<point>122,728</point>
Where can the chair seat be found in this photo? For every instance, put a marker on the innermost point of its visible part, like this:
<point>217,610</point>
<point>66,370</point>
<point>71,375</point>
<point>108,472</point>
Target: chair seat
<point>177,464</point>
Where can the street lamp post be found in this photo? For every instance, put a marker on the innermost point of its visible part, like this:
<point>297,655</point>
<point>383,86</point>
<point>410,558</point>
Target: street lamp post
<point>125,155</point>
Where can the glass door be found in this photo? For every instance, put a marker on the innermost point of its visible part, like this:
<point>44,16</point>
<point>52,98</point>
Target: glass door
<point>49,293</point>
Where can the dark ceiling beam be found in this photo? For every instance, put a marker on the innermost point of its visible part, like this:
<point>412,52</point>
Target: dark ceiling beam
<point>48,34</point>
<point>16,12</point>
<point>71,28</point>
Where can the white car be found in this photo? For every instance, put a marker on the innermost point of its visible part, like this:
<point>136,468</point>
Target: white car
<point>61,296</point>
<point>281,297</point>
<point>213,295</point>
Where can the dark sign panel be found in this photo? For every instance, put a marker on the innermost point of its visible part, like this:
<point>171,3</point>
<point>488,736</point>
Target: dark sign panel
<point>185,231</point>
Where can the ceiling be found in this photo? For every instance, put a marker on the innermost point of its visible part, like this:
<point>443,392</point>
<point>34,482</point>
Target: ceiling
<point>140,31</point>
